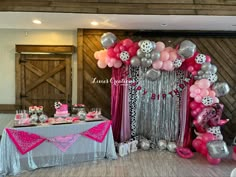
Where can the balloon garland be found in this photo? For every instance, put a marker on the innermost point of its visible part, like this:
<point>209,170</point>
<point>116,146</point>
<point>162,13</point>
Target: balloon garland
<point>153,57</point>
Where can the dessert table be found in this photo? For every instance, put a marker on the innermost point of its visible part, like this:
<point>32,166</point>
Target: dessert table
<point>57,145</point>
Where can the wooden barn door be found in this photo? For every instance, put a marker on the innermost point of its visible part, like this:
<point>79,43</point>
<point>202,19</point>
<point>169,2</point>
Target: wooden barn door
<point>42,79</point>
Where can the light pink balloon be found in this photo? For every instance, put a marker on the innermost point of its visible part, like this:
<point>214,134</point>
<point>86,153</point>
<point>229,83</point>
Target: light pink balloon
<point>110,64</point>
<point>193,87</point>
<point>198,98</point>
<point>168,65</point>
<point>157,64</point>
<point>173,56</point>
<point>197,91</point>
<point>164,56</point>
<point>215,100</point>
<point>101,64</point>
<point>193,94</point>
<point>208,58</point>
<point>204,92</point>
<point>117,64</point>
<point>160,46</point>
<point>204,83</point>
<point>168,49</point>
<point>190,69</point>
<point>96,55</point>
<point>212,93</point>
<point>103,55</point>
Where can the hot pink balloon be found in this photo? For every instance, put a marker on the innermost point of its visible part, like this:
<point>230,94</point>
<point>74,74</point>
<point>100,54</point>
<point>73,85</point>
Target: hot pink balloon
<point>164,56</point>
<point>193,105</point>
<point>190,69</point>
<point>168,65</point>
<point>204,83</point>
<point>132,51</point>
<point>197,144</point>
<point>206,137</point>
<point>157,64</point>
<point>204,150</point>
<point>117,48</point>
<point>160,46</point>
<point>117,64</point>
<point>213,161</point>
<point>111,53</point>
<point>127,43</point>
<point>194,113</point>
<point>208,58</point>
<point>101,64</point>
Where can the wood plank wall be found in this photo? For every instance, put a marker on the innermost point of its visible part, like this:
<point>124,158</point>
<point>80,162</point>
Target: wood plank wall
<point>221,47</point>
<point>160,7</point>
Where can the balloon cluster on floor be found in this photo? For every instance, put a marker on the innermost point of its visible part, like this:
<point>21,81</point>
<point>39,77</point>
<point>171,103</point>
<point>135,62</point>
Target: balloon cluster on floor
<point>153,57</point>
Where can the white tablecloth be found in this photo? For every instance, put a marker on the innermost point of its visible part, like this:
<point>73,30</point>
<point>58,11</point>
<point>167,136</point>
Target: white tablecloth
<point>46,154</point>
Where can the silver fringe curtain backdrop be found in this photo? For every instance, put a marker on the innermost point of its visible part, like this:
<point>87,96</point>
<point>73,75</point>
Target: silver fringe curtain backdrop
<point>158,119</point>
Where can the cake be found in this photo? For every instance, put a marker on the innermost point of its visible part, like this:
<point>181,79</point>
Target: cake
<point>61,110</point>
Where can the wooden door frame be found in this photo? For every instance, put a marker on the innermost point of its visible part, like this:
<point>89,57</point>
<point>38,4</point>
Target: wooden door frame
<point>33,49</point>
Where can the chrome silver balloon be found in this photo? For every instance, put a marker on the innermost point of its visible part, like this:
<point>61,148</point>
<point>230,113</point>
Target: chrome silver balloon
<point>144,144</point>
<point>155,55</point>
<point>108,40</point>
<point>206,66</point>
<point>162,144</point>
<point>187,49</point>
<point>135,61</point>
<point>221,88</point>
<point>217,149</point>
<point>146,62</point>
<point>153,74</point>
<point>140,54</point>
<point>171,146</point>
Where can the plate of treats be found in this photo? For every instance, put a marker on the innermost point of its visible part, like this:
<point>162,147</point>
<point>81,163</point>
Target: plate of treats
<point>57,121</point>
<point>24,125</point>
<point>92,116</point>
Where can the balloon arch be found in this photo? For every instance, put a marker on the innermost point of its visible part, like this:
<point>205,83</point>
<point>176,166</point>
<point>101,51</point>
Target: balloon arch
<point>154,57</point>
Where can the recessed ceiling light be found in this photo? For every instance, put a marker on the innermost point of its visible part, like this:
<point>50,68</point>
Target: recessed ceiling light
<point>94,23</point>
<point>164,24</point>
<point>37,21</point>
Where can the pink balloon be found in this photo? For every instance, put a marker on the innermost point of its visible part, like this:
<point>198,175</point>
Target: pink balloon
<point>213,161</point>
<point>204,150</point>
<point>193,87</point>
<point>206,137</point>
<point>111,53</point>
<point>101,64</point>
<point>204,92</point>
<point>212,93</point>
<point>96,55</point>
<point>127,43</point>
<point>157,64</point>
<point>216,100</point>
<point>117,64</point>
<point>204,83</point>
<point>117,48</point>
<point>132,51</point>
<point>103,55</point>
<point>194,113</point>
<point>110,64</point>
<point>198,98</point>
<point>193,105</point>
<point>208,59</point>
<point>197,144</point>
<point>160,46</point>
<point>168,49</point>
<point>164,56</point>
<point>192,95</point>
<point>168,65</point>
<point>197,91</point>
<point>173,56</point>
<point>190,68</point>
<point>198,109</point>
<point>194,73</point>
<point>123,48</point>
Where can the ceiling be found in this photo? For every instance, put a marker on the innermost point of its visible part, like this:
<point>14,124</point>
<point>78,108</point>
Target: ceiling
<point>72,21</point>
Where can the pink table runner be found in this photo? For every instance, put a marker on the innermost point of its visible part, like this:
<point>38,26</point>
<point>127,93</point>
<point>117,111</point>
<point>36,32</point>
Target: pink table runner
<point>25,141</point>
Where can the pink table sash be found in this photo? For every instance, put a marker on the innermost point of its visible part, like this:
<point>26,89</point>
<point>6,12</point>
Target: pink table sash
<point>25,141</point>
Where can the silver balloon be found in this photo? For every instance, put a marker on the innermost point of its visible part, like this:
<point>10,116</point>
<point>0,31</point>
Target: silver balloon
<point>146,62</point>
<point>43,118</point>
<point>207,72</point>
<point>135,61</point>
<point>213,69</point>
<point>154,45</point>
<point>140,54</point>
<point>171,146</point>
<point>200,72</point>
<point>187,49</point>
<point>108,39</point>
<point>144,144</point>
<point>155,55</point>
<point>217,149</point>
<point>153,74</point>
<point>162,144</point>
<point>221,88</point>
<point>206,66</point>
<point>148,55</point>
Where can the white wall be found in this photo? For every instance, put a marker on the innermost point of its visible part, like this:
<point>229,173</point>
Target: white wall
<point>8,39</point>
